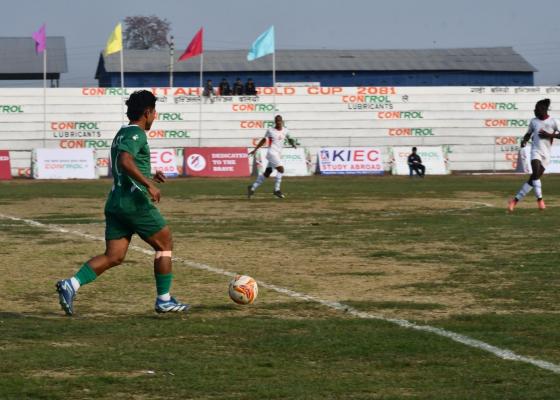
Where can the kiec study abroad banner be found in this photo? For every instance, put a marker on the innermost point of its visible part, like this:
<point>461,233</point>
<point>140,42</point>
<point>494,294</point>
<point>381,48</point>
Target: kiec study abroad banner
<point>216,161</point>
<point>294,162</point>
<point>350,161</point>
<point>5,169</point>
<point>164,160</point>
<point>64,164</point>
<point>432,158</point>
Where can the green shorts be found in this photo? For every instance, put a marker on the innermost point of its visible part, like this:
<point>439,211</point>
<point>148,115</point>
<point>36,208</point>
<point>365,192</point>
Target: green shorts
<point>145,222</point>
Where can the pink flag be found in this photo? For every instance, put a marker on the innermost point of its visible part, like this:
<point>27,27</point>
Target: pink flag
<point>40,38</point>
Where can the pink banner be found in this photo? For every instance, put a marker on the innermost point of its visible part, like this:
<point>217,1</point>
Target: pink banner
<point>216,161</point>
<point>5,172</point>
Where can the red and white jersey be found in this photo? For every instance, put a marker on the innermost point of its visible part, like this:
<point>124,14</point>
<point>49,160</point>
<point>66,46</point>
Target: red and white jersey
<point>276,139</point>
<point>540,145</point>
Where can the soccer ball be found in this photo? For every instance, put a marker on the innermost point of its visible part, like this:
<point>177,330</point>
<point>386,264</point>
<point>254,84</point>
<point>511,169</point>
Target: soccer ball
<point>243,289</point>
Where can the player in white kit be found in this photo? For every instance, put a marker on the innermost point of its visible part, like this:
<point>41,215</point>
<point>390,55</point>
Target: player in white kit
<point>542,131</point>
<point>276,137</point>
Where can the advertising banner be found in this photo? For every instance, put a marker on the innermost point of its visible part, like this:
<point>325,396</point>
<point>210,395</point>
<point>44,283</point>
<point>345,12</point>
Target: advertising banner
<point>524,160</point>
<point>5,169</point>
<point>216,161</point>
<point>432,158</point>
<point>350,161</point>
<point>164,160</point>
<point>294,162</point>
<point>64,164</point>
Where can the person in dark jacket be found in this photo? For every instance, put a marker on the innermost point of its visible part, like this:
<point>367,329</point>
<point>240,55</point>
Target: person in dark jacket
<point>250,89</point>
<point>225,90</point>
<point>415,164</point>
<point>238,88</point>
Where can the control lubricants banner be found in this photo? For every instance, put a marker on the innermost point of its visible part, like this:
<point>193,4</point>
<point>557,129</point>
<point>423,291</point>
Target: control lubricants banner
<point>64,164</point>
<point>294,162</point>
<point>432,158</point>
<point>350,161</point>
<point>216,161</point>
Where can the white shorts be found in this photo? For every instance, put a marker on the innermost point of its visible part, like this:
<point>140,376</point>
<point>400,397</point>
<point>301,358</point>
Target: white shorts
<point>274,160</point>
<point>543,157</point>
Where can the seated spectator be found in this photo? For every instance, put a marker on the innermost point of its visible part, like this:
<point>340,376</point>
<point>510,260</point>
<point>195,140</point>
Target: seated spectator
<point>225,90</point>
<point>209,91</point>
<point>250,89</point>
<point>415,164</point>
<point>238,88</point>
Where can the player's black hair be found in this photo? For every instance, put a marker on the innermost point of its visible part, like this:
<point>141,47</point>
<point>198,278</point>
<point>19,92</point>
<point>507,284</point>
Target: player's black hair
<point>414,149</point>
<point>545,103</point>
<point>138,102</point>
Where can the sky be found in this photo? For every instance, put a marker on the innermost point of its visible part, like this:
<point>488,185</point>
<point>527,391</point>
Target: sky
<point>299,24</point>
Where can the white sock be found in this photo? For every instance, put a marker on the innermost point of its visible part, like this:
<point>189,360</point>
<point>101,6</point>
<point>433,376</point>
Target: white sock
<point>525,189</point>
<point>538,188</point>
<point>164,297</point>
<point>75,284</point>
<point>259,181</point>
<point>278,181</point>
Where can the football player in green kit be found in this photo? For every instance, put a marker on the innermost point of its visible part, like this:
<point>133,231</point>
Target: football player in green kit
<point>129,209</point>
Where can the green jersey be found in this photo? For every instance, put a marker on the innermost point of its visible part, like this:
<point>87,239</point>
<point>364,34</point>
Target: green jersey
<point>128,194</point>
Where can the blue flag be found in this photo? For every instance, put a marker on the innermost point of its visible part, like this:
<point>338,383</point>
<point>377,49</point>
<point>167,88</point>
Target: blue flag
<point>263,45</point>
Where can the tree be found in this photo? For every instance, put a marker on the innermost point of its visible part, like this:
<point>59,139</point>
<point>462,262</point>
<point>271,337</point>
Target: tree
<point>142,33</point>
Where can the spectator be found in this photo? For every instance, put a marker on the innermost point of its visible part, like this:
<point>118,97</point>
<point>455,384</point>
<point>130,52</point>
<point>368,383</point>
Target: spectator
<point>238,88</point>
<point>415,164</point>
<point>250,89</point>
<point>225,90</point>
<point>209,91</point>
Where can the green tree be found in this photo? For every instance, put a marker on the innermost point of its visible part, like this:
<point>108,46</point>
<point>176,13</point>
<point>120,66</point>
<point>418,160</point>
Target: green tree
<point>142,33</point>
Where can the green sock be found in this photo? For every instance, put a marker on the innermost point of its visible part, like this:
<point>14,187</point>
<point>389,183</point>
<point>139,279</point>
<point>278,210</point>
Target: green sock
<point>85,274</point>
<point>163,283</point>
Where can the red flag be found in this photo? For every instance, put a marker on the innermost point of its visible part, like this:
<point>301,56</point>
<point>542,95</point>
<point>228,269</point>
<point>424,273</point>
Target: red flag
<point>194,48</point>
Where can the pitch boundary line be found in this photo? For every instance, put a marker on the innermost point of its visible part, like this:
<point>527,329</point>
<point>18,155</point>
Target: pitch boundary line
<point>502,353</point>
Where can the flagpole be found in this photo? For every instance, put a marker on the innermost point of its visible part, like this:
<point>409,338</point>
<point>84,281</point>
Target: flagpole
<point>45,98</point>
<point>200,103</point>
<point>122,85</point>
<point>274,78</point>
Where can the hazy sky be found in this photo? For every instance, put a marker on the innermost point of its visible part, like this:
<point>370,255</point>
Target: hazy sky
<point>300,24</point>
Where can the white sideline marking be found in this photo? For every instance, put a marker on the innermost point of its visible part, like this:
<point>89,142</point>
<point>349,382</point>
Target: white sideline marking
<point>504,354</point>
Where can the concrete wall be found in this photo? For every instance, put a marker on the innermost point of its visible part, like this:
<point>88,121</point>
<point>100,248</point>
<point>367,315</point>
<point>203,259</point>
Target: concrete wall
<point>479,127</point>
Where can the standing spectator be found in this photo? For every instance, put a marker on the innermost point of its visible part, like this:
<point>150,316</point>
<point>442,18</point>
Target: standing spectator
<point>209,91</point>
<point>225,90</point>
<point>415,164</point>
<point>250,89</point>
<point>238,88</point>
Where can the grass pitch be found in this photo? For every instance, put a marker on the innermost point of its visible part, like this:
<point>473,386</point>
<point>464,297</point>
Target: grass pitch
<point>440,251</point>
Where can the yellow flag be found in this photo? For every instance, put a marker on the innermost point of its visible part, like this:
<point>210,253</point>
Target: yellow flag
<point>114,44</point>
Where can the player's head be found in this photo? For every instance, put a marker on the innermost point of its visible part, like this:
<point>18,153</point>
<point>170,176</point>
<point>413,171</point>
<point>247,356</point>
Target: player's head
<point>541,108</point>
<point>414,149</point>
<point>142,106</point>
<point>278,122</point>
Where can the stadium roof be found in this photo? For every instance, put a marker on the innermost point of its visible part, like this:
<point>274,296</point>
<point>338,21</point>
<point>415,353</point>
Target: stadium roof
<point>498,59</point>
<point>19,60</point>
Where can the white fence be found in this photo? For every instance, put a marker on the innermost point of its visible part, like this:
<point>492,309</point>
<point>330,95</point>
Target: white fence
<point>478,127</point>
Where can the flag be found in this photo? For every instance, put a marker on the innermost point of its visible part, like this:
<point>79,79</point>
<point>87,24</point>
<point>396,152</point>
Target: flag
<point>263,45</point>
<point>194,48</point>
<point>40,38</point>
<point>114,43</point>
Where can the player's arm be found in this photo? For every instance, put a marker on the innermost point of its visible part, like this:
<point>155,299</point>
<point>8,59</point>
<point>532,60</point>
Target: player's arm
<point>527,136</point>
<point>127,164</point>
<point>259,145</point>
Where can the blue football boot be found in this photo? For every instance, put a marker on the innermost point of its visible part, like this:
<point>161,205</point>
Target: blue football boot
<point>170,306</point>
<point>66,295</point>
